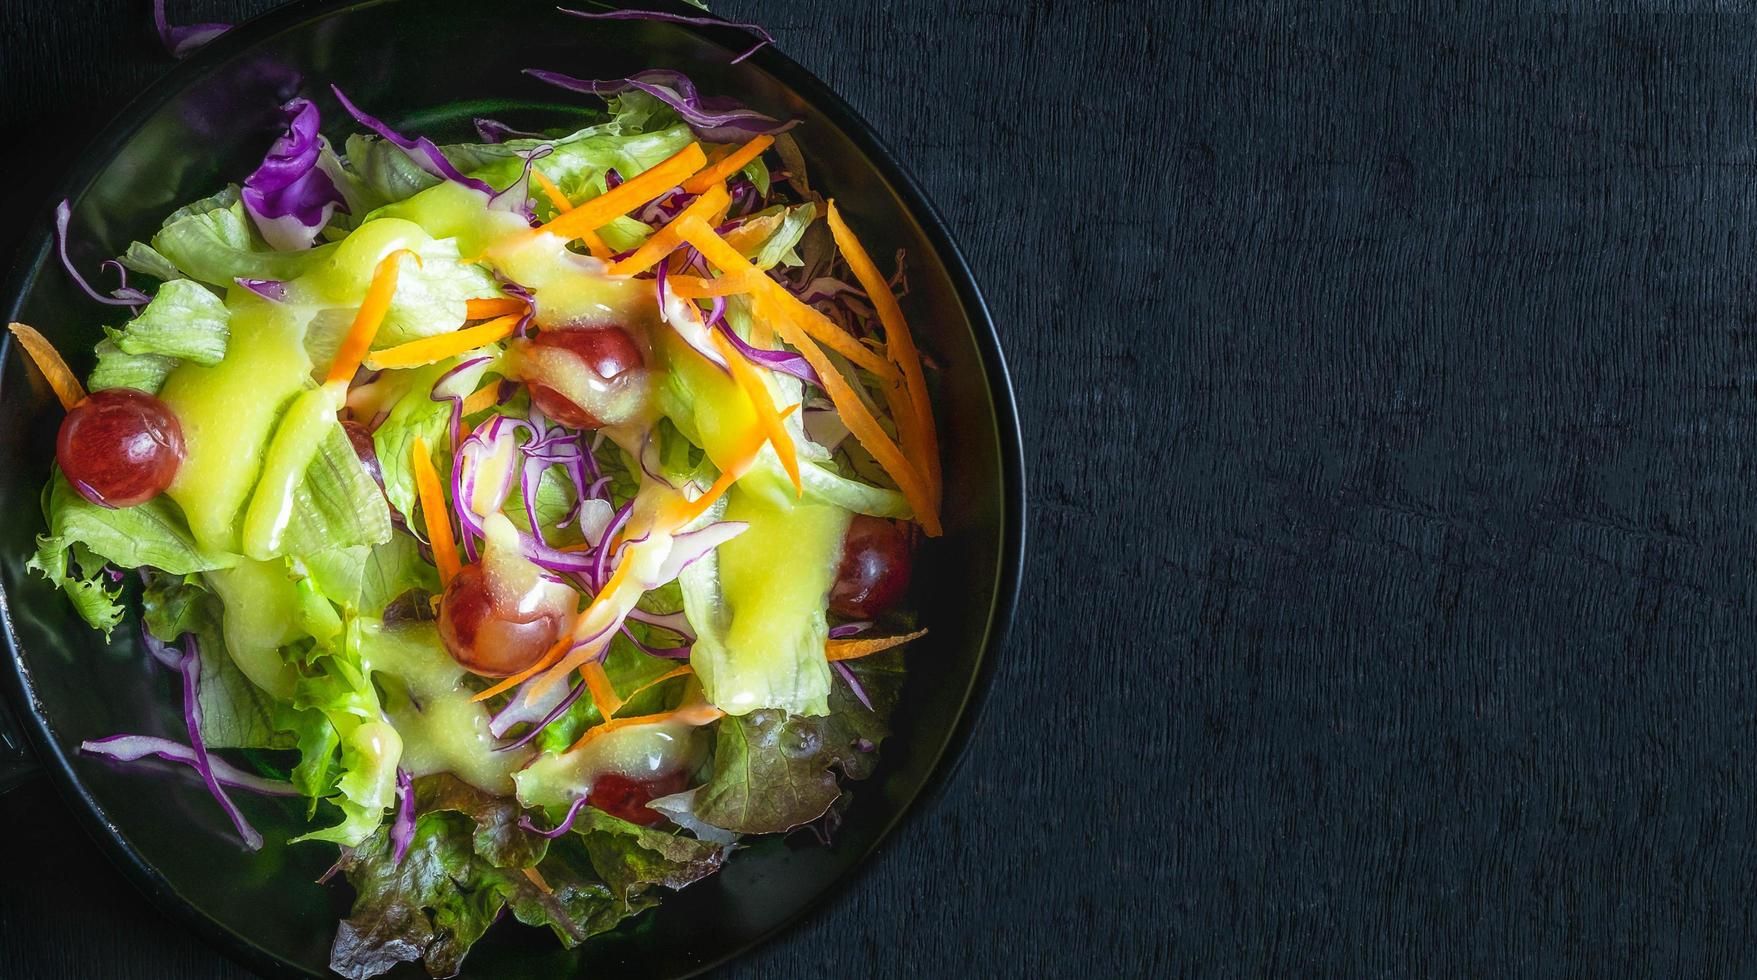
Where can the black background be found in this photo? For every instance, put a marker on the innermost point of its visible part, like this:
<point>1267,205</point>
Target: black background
<point>1389,389</point>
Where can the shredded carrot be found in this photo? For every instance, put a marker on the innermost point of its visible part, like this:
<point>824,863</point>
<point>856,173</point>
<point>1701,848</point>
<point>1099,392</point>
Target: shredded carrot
<point>628,195</point>
<point>487,309</point>
<point>792,321</point>
<point>680,516</point>
<point>728,165</point>
<point>482,398</point>
<point>434,512</point>
<point>696,714</point>
<point>695,287</point>
<point>537,880</point>
<point>667,239</point>
<point>655,682</point>
<point>55,371</point>
<point>371,316</point>
<point>594,244</point>
<point>900,345</point>
<point>865,428</point>
<point>431,350</point>
<point>753,232</point>
<point>599,687</point>
<point>854,649</point>
<point>562,204</point>
<point>758,392</point>
<point>715,249</point>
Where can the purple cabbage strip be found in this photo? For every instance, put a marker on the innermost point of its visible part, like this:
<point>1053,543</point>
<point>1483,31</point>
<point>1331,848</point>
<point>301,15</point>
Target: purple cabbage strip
<point>516,711</point>
<point>421,152</point>
<point>190,667</point>
<point>663,653</point>
<point>849,629</point>
<point>160,650</point>
<point>123,296</point>
<point>560,708</point>
<point>853,683</point>
<point>561,828</point>
<point>440,393</point>
<point>181,42</point>
<point>517,196</point>
<point>716,119</point>
<point>273,290</point>
<point>402,829</point>
<point>675,622</point>
<point>289,197</point>
<point>763,36</point>
<point>129,748</point>
<point>786,362</point>
<point>495,131</point>
<point>599,572</point>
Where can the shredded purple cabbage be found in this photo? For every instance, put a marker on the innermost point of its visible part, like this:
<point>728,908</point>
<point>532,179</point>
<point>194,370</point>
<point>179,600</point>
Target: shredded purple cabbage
<point>273,290</point>
<point>713,118</point>
<point>129,748</point>
<point>421,151</point>
<point>181,42</point>
<point>853,683</point>
<point>190,667</point>
<point>849,629</point>
<point>402,829</point>
<point>123,294</point>
<point>763,36</point>
<point>559,829</point>
<point>785,361</point>
<point>560,708</point>
<point>289,197</point>
<point>495,131</point>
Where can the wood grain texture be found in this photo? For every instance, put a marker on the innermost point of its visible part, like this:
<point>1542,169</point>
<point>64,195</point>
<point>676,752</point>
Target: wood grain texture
<point>1389,396</point>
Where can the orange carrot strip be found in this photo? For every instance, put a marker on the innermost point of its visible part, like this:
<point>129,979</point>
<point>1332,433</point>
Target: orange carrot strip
<point>728,165</point>
<point>865,428</point>
<point>430,350</point>
<point>630,194</point>
<point>667,239</point>
<point>655,682</point>
<point>433,511</point>
<point>758,392</point>
<point>852,649</point>
<point>55,371</point>
<point>715,249</point>
<point>695,287</point>
<point>752,233</point>
<point>484,309</point>
<point>599,687</point>
<point>371,316</point>
<point>899,344</point>
<point>481,398</point>
<point>680,516</point>
<point>594,244</point>
<point>697,714</point>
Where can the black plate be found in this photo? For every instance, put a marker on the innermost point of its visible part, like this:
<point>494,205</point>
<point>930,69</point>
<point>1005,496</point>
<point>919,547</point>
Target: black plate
<point>431,64</point>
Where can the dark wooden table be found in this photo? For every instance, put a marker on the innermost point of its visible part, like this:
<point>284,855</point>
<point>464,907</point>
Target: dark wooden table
<point>1390,392</point>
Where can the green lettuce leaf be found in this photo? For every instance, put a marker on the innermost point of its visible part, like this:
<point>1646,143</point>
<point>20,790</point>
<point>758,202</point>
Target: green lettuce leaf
<point>466,862</point>
<point>632,859</point>
<point>184,320</point>
<point>337,505</point>
<point>773,772</point>
<point>218,245</point>
<point>116,369</point>
<point>415,414</point>
<point>76,571</point>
